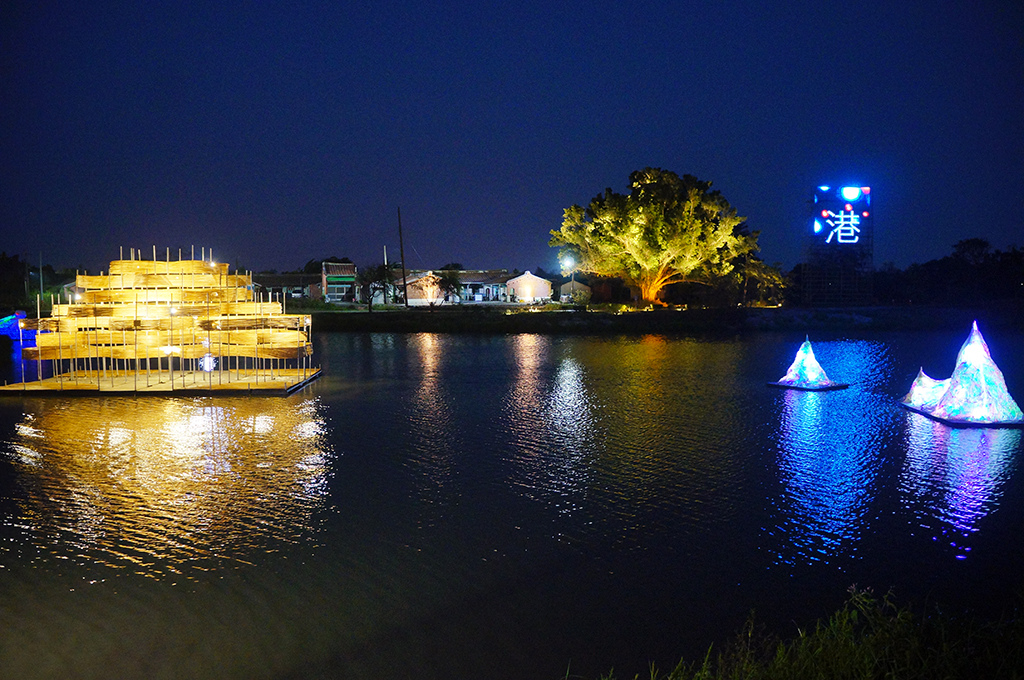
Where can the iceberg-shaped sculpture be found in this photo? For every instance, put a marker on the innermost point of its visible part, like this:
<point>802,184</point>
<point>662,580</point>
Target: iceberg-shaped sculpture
<point>925,391</point>
<point>805,373</point>
<point>975,394</point>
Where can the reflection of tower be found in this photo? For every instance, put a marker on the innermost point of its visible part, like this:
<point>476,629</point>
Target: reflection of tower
<point>839,247</point>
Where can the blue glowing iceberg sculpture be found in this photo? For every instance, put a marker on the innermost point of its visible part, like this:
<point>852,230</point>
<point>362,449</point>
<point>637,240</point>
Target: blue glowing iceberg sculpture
<point>975,394</point>
<point>805,373</point>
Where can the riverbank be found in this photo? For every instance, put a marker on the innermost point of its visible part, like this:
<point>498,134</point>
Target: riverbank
<point>869,637</point>
<point>713,322</point>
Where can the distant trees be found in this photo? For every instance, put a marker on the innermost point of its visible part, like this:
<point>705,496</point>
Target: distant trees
<point>763,284</point>
<point>668,229</point>
<point>314,266</point>
<point>440,283</point>
<point>13,280</point>
<point>19,282</point>
<point>974,273</point>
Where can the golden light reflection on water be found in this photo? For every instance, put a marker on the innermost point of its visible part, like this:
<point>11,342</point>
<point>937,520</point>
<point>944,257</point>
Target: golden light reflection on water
<point>432,422</point>
<point>162,487</point>
<point>598,425</point>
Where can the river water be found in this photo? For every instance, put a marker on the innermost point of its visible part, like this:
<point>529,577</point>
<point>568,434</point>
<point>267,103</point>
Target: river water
<point>522,506</point>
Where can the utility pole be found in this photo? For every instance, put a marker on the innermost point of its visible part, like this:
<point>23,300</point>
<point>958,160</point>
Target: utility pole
<point>385,284</point>
<point>401,254</point>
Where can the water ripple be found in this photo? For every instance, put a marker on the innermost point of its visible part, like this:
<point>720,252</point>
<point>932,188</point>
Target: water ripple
<point>161,486</point>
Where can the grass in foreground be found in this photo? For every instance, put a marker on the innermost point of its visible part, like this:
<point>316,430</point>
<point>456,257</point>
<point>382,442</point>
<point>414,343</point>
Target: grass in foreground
<point>868,638</point>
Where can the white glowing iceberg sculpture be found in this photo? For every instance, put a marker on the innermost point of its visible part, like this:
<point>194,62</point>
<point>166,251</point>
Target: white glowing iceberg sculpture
<point>925,391</point>
<point>805,373</point>
<point>975,394</point>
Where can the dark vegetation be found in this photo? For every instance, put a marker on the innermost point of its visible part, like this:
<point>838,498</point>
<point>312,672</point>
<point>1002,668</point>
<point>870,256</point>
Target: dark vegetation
<point>972,275</point>
<point>19,283</point>
<point>868,638</point>
<point>608,319</point>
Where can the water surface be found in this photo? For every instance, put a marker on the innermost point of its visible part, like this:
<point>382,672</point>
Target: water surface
<point>493,506</point>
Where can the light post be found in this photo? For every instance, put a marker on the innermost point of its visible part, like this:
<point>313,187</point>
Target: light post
<point>569,264</point>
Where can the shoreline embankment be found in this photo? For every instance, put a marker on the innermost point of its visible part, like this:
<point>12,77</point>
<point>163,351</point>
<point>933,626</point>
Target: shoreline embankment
<point>711,322</point>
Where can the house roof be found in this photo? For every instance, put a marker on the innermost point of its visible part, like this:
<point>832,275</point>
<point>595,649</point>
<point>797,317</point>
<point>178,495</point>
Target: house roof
<point>467,276</point>
<point>574,285</point>
<point>528,275</point>
<point>339,269</point>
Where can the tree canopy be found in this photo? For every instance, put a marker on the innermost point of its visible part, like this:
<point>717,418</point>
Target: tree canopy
<point>667,229</point>
<point>448,281</point>
<point>373,279</point>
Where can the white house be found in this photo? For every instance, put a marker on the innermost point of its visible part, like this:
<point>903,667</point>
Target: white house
<point>528,288</point>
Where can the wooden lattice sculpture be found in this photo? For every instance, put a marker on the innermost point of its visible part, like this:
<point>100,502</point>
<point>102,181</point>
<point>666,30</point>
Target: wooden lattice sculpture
<point>151,325</point>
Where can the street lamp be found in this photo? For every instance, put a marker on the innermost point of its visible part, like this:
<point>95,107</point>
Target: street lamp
<point>569,264</point>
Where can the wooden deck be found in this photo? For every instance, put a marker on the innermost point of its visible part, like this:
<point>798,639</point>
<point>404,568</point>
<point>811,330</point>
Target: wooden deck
<point>278,382</point>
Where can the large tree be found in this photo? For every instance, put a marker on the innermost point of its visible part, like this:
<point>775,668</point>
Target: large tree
<point>667,229</point>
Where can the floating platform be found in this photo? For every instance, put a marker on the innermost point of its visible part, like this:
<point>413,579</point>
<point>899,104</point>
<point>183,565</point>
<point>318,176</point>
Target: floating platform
<point>811,388</point>
<point>89,383</point>
<point>967,424</point>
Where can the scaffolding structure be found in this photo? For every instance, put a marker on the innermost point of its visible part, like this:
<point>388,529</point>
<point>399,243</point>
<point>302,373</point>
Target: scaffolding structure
<point>168,326</point>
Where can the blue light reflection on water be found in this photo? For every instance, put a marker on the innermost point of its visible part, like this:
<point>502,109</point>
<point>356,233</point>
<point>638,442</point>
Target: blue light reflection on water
<point>954,477</point>
<point>830,451</point>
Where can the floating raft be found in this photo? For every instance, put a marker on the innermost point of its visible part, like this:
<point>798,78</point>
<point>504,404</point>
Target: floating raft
<point>154,327</point>
<point>280,382</point>
<point>810,388</point>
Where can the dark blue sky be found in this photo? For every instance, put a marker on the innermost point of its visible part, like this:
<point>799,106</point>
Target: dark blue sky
<point>280,132</point>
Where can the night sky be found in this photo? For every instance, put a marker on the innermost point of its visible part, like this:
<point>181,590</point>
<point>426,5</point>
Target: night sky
<point>275,133</point>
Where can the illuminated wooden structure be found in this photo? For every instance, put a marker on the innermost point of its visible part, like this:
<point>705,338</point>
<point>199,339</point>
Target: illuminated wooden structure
<point>153,326</point>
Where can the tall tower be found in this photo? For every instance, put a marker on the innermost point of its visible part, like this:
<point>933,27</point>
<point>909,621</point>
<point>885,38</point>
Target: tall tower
<point>839,248</point>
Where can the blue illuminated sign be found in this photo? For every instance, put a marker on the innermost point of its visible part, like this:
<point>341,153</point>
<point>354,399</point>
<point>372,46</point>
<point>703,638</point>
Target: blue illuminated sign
<point>840,214</point>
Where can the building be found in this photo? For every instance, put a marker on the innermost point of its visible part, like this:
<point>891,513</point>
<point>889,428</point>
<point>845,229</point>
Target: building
<point>528,287</point>
<point>567,289</point>
<point>483,285</point>
<point>290,286</point>
<point>475,286</point>
<point>338,282</point>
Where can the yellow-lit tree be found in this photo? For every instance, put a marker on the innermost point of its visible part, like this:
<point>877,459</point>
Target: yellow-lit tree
<point>668,229</point>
